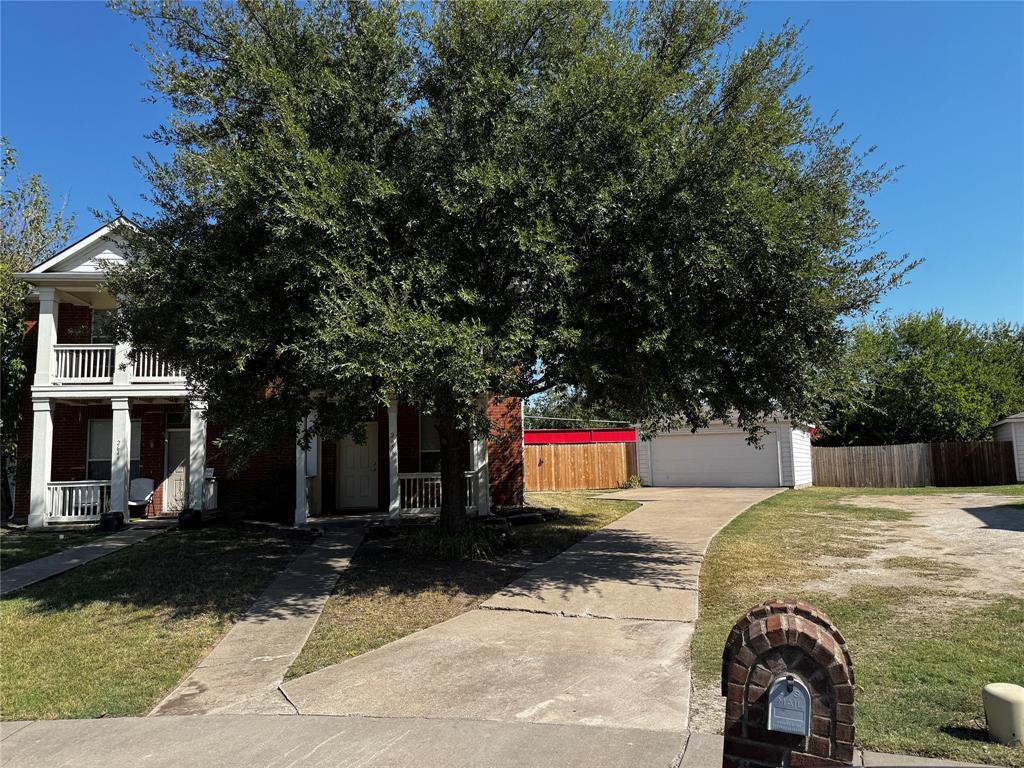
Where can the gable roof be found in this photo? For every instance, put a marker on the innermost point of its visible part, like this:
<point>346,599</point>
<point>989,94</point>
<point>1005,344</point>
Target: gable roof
<point>1009,419</point>
<point>87,255</point>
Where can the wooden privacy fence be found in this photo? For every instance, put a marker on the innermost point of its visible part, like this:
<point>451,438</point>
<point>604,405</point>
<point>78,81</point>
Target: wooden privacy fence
<point>914,464</point>
<point>578,466</point>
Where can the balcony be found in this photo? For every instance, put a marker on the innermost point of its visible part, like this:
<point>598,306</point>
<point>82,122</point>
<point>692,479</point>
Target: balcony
<point>99,364</point>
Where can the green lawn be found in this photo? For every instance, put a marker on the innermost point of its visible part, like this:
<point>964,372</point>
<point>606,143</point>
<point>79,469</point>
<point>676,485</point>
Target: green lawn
<point>921,654</point>
<point>19,546</point>
<point>385,594</point>
<point>112,637</point>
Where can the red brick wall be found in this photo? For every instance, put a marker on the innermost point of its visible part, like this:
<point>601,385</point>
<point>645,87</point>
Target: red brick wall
<point>408,438</point>
<point>505,450</point>
<point>265,488</point>
<point>152,451</point>
<point>74,324</point>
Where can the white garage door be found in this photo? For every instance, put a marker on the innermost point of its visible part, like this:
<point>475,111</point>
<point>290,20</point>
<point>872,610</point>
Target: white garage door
<point>715,460</point>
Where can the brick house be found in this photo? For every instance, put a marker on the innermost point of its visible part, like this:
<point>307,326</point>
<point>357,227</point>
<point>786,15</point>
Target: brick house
<point>92,421</point>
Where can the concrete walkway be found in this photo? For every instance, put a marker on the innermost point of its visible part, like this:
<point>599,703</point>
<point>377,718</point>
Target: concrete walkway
<point>21,576</point>
<point>597,636</point>
<point>243,673</point>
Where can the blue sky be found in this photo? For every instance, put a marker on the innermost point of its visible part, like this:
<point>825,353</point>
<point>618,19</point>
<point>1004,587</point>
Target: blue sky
<point>938,87</point>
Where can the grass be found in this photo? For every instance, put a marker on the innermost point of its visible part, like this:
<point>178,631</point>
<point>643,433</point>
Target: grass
<point>114,636</point>
<point>921,655</point>
<point>19,546</point>
<point>387,594</point>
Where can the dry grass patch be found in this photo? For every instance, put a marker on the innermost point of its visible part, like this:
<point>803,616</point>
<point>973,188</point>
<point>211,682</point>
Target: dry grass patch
<point>926,630</point>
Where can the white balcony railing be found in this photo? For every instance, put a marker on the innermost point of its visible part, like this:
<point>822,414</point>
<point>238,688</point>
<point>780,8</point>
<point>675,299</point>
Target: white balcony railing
<point>83,363</point>
<point>421,491</point>
<point>97,364</point>
<point>77,501</point>
<point>149,367</point>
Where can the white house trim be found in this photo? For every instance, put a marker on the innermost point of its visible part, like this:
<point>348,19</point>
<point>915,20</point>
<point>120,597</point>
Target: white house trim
<point>77,247</point>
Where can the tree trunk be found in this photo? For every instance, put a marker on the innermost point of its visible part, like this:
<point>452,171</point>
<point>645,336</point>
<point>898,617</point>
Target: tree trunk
<point>6,502</point>
<point>453,484</point>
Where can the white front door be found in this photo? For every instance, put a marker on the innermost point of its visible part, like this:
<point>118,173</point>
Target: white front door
<point>357,471</point>
<point>176,470</point>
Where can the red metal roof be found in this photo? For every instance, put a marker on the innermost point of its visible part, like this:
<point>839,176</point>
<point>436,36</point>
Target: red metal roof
<point>543,436</point>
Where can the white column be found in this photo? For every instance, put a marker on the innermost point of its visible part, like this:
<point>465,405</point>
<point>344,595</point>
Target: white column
<point>42,445</point>
<point>120,455</point>
<point>478,464</point>
<point>313,471</point>
<point>197,455</point>
<point>394,500</point>
<point>301,490</point>
<point>122,366</point>
<point>46,331</point>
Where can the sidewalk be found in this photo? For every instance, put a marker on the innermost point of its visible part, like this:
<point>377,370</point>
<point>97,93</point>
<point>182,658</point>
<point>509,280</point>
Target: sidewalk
<point>268,741</point>
<point>242,674</point>
<point>29,573</point>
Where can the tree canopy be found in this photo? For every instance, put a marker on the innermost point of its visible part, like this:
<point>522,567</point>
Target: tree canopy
<point>926,378</point>
<point>368,200</point>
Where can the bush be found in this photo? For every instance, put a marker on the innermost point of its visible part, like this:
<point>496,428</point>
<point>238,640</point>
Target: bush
<point>633,481</point>
<point>474,543</point>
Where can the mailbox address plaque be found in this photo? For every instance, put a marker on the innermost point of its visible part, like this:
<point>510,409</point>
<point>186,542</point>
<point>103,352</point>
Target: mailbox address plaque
<point>789,706</point>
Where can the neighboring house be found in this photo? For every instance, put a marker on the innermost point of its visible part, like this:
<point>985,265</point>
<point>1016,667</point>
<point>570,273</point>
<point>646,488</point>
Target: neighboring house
<point>1011,430</point>
<point>719,455</point>
<point>92,420</point>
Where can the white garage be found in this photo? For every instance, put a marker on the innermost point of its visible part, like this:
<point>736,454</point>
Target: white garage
<point>721,456</point>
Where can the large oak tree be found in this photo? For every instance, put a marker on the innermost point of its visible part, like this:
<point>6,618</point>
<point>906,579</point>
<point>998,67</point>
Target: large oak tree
<point>373,200</point>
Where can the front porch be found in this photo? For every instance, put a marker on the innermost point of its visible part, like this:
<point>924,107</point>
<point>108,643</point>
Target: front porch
<point>92,456</point>
<point>391,473</point>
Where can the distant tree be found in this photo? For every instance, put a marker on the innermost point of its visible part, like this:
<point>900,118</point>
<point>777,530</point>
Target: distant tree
<point>368,200</point>
<point>926,378</point>
<point>560,407</point>
<point>31,230</point>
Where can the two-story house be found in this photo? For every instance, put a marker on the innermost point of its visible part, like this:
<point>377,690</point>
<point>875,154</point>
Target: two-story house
<point>93,420</point>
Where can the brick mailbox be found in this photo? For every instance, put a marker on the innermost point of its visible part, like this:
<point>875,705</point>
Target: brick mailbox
<point>788,683</point>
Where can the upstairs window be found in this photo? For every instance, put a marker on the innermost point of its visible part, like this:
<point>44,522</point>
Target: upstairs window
<point>103,326</point>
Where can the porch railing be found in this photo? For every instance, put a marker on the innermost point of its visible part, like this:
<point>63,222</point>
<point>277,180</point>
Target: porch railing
<point>149,367</point>
<point>83,363</point>
<point>96,364</point>
<point>421,491</point>
<point>77,501</point>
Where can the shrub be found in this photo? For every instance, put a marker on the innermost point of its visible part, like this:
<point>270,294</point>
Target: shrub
<point>474,543</point>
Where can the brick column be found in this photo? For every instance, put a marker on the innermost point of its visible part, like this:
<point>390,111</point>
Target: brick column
<point>770,642</point>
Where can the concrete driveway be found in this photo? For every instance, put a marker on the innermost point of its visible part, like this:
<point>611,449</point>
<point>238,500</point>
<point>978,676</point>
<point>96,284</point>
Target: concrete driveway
<point>597,636</point>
